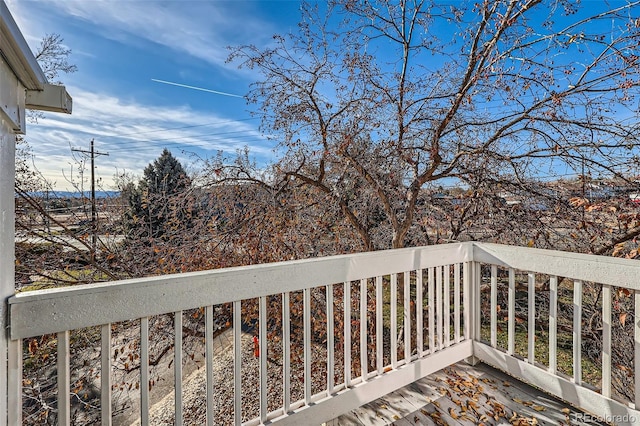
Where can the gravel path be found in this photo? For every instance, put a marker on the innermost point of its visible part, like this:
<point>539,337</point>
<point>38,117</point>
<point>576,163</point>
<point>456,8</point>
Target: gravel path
<point>194,385</point>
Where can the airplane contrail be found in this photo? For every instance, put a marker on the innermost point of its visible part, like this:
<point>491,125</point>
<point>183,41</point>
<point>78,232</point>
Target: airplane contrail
<point>196,88</point>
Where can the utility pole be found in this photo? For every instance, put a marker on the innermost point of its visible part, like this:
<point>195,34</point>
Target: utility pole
<point>94,215</point>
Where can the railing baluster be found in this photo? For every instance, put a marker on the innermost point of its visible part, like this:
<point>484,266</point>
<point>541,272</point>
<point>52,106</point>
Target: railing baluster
<point>237,362</point>
<point>208,355</point>
<point>636,358</point>
<point>512,313</point>
<point>606,341</point>
<point>347,333</point>
<point>105,374</point>
<point>286,352</point>
<point>379,327</point>
<point>419,314</point>
<point>394,321</point>
<point>177,366</point>
<point>144,371</point>
<point>14,379</point>
<point>440,324</point>
<point>466,294</point>
<point>577,332</point>
<point>477,312</point>
<point>531,323</point>
<point>553,325</point>
<point>306,293</point>
<point>330,340</point>
<point>64,379</point>
<point>432,318</point>
<point>494,306</point>
<point>363,330</point>
<point>262,343</point>
<point>456,304</point>
<point>407,317</point>
<point>447,306</point>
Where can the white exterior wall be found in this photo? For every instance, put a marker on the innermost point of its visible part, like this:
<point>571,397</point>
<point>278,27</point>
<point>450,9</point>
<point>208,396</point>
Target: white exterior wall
<point>7,237</point>
<point>12,121</point>
<point>22,82</point>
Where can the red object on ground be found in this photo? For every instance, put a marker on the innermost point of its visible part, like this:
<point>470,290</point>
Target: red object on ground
<point>256,346</point>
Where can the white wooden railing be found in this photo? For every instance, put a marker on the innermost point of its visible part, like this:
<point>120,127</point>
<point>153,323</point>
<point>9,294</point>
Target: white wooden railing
<point>423,312</point>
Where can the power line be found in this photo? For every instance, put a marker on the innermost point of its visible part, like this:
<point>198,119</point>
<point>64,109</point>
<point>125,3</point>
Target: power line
<point>94,216</point>
<point>196,144</point>
<point>196,137</point>
<point>182,127</point>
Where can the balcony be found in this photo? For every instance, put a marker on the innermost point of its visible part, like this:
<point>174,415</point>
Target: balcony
<point>408,313</point>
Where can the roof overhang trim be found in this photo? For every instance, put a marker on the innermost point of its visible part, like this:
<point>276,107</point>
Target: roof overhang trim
<point>52,98</point>
<point>16,52</point>
<point>14,49</point>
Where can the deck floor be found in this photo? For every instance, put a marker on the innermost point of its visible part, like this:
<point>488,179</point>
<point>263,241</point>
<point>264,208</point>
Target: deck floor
<point>466,395</point>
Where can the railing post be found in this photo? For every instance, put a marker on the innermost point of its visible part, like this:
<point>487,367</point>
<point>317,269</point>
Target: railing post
<point>471,277</point>
<point>16,63</point>
<point>606,341</point>
<point>636,348</point>
<point>7,254</point>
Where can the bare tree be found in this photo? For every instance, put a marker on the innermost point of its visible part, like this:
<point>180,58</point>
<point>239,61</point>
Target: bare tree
<point>53,57</point>
<point>373,102</point>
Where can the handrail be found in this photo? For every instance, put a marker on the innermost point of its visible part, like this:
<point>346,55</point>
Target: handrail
<point>587,267</point>
<point>39,312</point>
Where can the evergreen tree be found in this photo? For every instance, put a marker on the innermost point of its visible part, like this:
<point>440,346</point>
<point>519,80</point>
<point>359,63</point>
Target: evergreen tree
<point>165,176</point>
<point>157,204</point>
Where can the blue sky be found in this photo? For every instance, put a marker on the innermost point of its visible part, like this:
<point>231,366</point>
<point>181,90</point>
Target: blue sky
<point>120,48</point>
<point>124,48</point>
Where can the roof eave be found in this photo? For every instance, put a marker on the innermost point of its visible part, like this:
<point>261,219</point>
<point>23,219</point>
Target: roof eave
<point>40,95</point>
<point>16,52</point>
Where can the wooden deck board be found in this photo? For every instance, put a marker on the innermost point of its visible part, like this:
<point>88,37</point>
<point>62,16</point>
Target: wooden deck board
<point>531,402</point>
<point>420,417</point>
<point>464,395</point>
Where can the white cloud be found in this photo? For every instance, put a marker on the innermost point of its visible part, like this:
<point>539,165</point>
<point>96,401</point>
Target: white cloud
<point>134,134</point>
<point>111,112</point>
<point>202,29</point>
